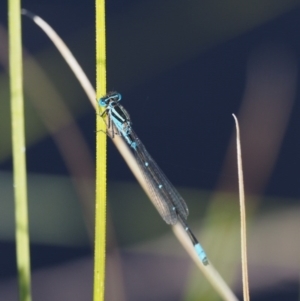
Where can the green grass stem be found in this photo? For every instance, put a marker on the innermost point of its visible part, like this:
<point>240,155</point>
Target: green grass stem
<point>100,209</point>
<point>18,141</point>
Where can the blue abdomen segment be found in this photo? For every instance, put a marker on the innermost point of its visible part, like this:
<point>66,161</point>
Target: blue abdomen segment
<point>201,253</point>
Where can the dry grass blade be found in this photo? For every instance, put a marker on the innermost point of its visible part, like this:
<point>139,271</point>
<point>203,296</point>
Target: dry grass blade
<point>67,55</point>
<point>243,214</point>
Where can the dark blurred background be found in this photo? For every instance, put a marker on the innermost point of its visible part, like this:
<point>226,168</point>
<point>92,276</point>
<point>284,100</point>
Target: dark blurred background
<point>183,67</point>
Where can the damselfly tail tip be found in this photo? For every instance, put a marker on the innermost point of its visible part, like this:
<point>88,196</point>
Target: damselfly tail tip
<point>201,254</point>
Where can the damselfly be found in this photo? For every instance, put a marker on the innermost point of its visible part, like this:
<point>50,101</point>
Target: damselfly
<point>169,203</point>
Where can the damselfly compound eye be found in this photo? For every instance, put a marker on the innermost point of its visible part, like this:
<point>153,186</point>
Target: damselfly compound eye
<point>103,101</point>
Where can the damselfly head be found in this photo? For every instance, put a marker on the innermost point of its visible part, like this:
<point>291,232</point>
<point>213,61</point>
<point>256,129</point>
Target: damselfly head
<point>110,97</point>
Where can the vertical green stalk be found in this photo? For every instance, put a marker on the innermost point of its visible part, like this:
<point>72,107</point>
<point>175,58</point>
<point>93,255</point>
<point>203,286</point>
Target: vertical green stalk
<point>100,224</point>
<point>18,141</point>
